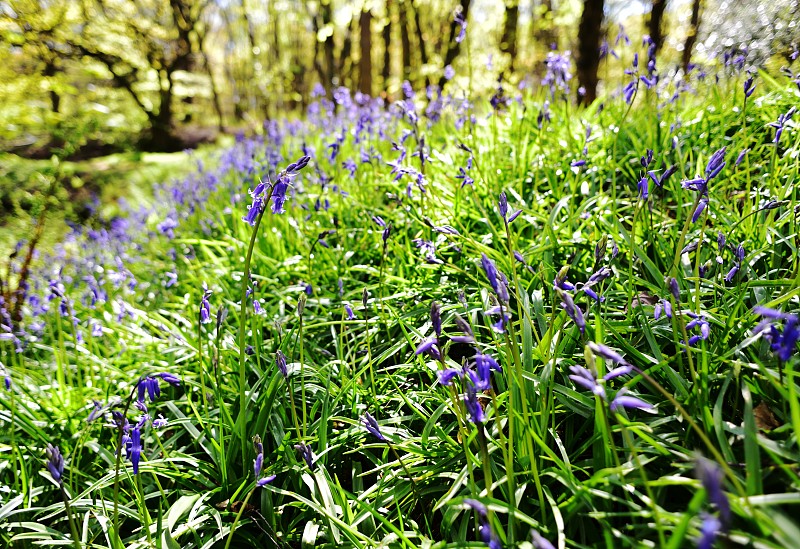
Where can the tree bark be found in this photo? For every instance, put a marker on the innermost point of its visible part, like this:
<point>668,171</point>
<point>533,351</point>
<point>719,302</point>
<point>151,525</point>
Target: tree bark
<point>508,43</point>
<point>365,60</point>
<point>327,45</point>
<point>691,37</point>
<point>588,46</point>
<point>405,39</point>
<point>654,24</point>
<point>423,52</point>
<point>386,70</point>
<point>454,47</point>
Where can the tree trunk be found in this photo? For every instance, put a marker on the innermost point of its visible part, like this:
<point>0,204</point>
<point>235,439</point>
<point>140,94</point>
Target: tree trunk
<point>508,43</point>
<point>691,37</point>
<point>423,53</point>
<point>588,46</point>
<point>51,70</point>
<point>365,60</point>
<point>328,46</point>
<point>201,37</point>
<point>654,25</point>
<point>454,47</point>
<point>405,39</point>
<point>386,70</point>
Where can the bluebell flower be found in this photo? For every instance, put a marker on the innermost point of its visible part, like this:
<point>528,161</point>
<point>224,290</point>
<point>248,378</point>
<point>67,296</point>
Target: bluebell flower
<point>259,461</point>
<point>749,86</point>
<point>260,483</point>
<point>473,405</point>
<point>135,449</point>
<point>780,124</point>
<point>539,542</point>
<point>371,425</point>
<point>572,310</point>
<point>461,21</point>
<point>205,308</point>
<point>709,529</point>
<point>485,529</point>
<point>306,454</point>
<point>280,362</point>
<point>55,463</point>
<point>429,346</point>
<point>662,305</point>
<point>349,312</point>
<point>623,400</point>
<point>782,330</point>
<point>711,477</point>
<point>741,156</point>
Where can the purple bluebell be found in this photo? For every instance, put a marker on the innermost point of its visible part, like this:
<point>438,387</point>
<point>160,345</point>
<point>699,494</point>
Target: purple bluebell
<point>436,318</point>
<point>623,400</point>
<point>662,305</point>
<point>349,312</point>
<point>280,362</point>
<point>496,279</point>
<point>557,76</point>
<point>709,529</point>
<point>159,422</point>
<point>780,124</point>
<point>305,452</point>
<point>205,308</point>
<point>643,186</point>
<point>371,425</point>
<point>260,483</point>
<point>606,352</point>
<point>572,310</point>
<point>259,461</point>
<point>135,450</point>
<point>539,542</point>
<point>473,405</point>
<point>749,86</point>
<point>711,477</point>
<point>782,330</point>
<point>55,463</point>
<point>430,347</point>
<point>481,377</point>
<point>741,156</point>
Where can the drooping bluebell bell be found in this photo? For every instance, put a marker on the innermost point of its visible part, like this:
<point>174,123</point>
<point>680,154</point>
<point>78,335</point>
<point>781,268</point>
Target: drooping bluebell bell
<point>662,305</point>
<point>481,376</point>
<point>349,312</point>
<point>436,318</point>
<point>260,483</point>
<point>259,461</point>
<point>698,321</point>
<point>135,449</point>
<point>539,542</point>
<point>371,425</point>
<point>280,362</point>
<point>628,402</point>
<point>749,86</point>
<point>741,156</point>
<point>473,405</point>
<point>159,422</point>
<point>700,184</point>
<point>711,477</point>
<point>780,124</point>
<point>205,307</point>
<point>485,528</point>
<point>606,352</point>
<point>572,310</point>
<point>55,463</point>
<point>306,454</point>
<point>709,528</point>
<point>782,330</point>
<point>497,280</point>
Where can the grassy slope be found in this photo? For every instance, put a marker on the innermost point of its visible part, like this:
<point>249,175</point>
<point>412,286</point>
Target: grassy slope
<point>550,457</point>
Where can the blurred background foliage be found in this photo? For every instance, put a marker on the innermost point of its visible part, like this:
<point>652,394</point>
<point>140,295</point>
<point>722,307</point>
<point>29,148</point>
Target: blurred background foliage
<point>100,84</point>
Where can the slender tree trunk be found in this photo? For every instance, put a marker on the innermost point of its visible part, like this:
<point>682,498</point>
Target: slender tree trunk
<point>423,52</point>
<point>201,38</point>
<point>588,46</point>
<point>654,24</point>
<point>386,70</point>
<point>508,43</point>
<point>691,37</point>
<point>454,47</point>
<point>543,31</point>
<point>405,39</point>
<point>328,46</point>
<point>365,61</point>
